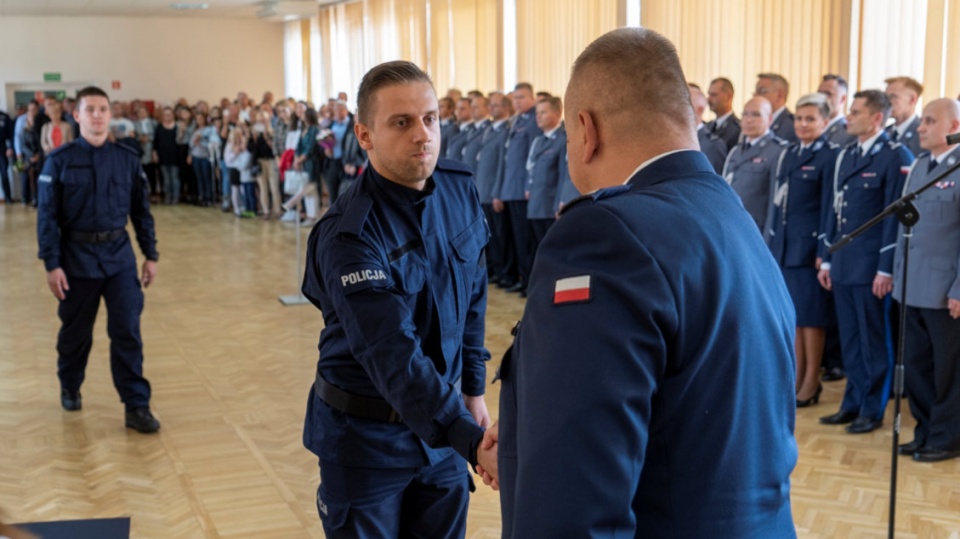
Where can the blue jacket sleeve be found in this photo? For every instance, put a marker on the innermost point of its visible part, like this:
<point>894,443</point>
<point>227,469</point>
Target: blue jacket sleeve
<point>894,189</point>
<point>587,374</point>
<point>140,214</point>
<point>475,356</point>
<point>828,211</point>
<point>48,214</point>
<point>382,337</point>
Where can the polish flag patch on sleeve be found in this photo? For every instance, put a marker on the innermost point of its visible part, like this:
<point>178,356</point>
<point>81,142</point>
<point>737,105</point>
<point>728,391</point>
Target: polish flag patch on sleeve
<point>905,170</point>
<point>572,290</point>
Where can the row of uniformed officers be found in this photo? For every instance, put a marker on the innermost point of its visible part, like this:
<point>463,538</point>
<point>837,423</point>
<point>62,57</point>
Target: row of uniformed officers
<point>807,178</point>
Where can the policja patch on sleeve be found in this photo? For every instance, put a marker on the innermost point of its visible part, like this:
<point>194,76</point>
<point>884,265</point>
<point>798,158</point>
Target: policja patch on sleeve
<point>357,277</point>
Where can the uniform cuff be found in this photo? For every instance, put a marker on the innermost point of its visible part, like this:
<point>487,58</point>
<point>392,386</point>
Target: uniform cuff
<point>824,265</point>
<point>464,436</point>
<point>51,263</point>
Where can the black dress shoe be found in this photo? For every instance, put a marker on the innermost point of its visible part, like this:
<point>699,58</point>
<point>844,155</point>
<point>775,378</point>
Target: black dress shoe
<point>505,283</point>
<point>934,454</point>
<point>832,375</point>
<point>517,287</point>
<point>910,448</point>
<point>839,418</point>
<point>70,400</point>
<point>141,420</point>
<point>862,425</point>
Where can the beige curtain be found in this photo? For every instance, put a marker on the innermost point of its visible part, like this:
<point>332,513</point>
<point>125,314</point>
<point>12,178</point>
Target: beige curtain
<point>941,77</point>
<point>466,45</point>
<point>552,33</point>
<point>737,39</point>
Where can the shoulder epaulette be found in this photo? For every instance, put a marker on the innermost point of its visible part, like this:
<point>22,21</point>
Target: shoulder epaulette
<point>355,215</point>
<point>575,202</point>
<point>450,165</point>
<point>893,145</point>
<point>62,149</point>
<point>128,149</point>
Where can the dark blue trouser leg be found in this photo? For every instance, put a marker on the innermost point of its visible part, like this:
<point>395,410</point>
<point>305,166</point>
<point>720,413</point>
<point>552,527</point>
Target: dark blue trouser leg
<point>361,503</point>
<point>124,301</point>
<point>77,312</point>
<point>860,316</point>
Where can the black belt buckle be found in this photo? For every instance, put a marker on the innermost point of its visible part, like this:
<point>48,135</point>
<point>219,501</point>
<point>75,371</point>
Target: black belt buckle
<point>103,237</point>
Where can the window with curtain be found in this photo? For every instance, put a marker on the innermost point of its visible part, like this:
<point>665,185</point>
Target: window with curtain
<point>294,83</point>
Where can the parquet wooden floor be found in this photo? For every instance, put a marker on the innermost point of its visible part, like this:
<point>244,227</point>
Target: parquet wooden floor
<point>231,368</point>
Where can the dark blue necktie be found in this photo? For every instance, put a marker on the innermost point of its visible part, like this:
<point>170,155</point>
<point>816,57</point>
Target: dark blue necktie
<point>932,165</point>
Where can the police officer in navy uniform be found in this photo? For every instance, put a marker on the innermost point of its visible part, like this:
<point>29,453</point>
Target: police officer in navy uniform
<point>396,266</point>
<point>6,153</point>
<point>480,109</point>
<point>501,262</point>
<point>710,143</point>
<point>512,180</point>
<point>932,334</point>
<point>656,320</point>
<point>87,191</point>
<point>904,93</point>
<point>720,99</point>
<point>547,154</point>
<point>775,89</point>
<point>869,175</point>
<point>802,195</point>
<point>454,149</point>
<point>448,123</point>
<point>751,166</point>
<point>836,90</point>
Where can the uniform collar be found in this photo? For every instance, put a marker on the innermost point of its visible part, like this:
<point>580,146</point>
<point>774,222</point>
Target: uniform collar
<point>498,123</point>
<point>552,132</point>
<point>835,121</point>
<point>721,119</point>
<point>399,194</point>
<point>636,178</point>
<point>866,146</point>
<point>85,144</point>
<point>902,127</point>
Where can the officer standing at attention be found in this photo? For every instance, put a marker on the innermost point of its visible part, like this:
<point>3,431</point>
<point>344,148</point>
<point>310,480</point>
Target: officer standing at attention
<point>751,167</point>
<point>775,89</point>
<point>501,262</point>
<point>710,143</point>
<point>548,153</point>
<point>932,336</point>
<point>835,88</point>
<point>448,123</point>
<point>802,195</point>
<point>87,190</point>
<point>512,180</point>
<point>720,100</point>
<point>903,93</point>
<point>396,266</point>
<point>464,111</point>
<point>869,175</point>
<point>481,121</point>
<point>656,319</point>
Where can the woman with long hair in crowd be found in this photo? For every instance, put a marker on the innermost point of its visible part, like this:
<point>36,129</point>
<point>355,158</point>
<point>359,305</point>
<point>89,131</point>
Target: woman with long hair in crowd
<point>305,159</point>
<point>268,182</point>
<point>144,129</point>
<point>165,155</point>
<point>238,161</point>
<point>57,131</point>
<point>201,153</point>
<point>185,129</point>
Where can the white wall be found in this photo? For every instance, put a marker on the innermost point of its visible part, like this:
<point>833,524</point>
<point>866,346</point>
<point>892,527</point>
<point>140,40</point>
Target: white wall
<point>153,58</point>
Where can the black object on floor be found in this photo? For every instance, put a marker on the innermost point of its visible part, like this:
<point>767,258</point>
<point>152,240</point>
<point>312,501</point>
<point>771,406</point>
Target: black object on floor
<point>100,528</point>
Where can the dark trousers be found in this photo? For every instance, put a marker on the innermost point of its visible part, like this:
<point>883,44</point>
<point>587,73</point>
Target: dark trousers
<point>78,312</point>
<point>332,175</point>
<point>866,358</point>
<point>508,272</point>
<point>203,169</point>
<point>832,356</point>
<point>4,178</point>
<point>932,375</point>
<point>361,503</point>
<point>517,213</point>
<point>495,255</point>
<point>538,230</point>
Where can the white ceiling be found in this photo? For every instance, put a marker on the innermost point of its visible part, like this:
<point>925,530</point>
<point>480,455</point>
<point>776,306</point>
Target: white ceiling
<point>248,9</point>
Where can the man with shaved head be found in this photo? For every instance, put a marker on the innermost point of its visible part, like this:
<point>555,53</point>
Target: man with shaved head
<point>751,167</point>
<point>650,388</point>
<point>932,363</point>
<point>710,144</point>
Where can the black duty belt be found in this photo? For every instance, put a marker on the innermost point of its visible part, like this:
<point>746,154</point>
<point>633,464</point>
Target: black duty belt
<point>355,405</point>
<point>105,236</point>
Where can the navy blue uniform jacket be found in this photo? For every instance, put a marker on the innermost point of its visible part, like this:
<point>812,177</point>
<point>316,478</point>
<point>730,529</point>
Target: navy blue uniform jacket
<point>401,281</point>
<point>804,192</point>
<point>863,186</point>
<point>84,188</point>
<point>662,405</point>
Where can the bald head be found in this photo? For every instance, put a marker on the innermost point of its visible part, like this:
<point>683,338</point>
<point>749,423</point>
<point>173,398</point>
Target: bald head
<point>941,117</point>
<point>757,114</point>
<point>626,102</point>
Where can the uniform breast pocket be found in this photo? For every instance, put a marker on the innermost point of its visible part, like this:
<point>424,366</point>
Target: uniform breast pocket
<point>467,247</point>
<point>120,195</point>
<point>409,272</point>
<point>77,180</point>
<point>869,183</point>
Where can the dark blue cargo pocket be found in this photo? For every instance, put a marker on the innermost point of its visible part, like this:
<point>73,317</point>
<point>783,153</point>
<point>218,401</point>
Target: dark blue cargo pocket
<point>333,515</point>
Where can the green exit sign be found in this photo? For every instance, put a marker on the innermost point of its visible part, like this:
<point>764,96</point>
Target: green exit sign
<point>51,77</point>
